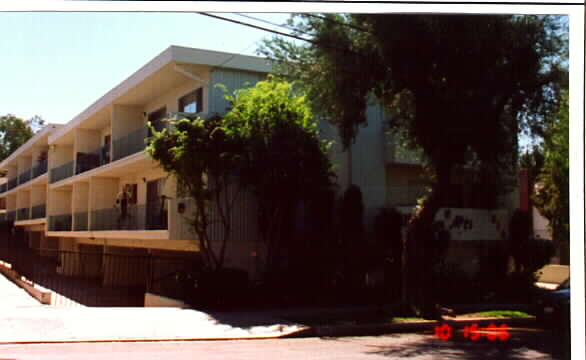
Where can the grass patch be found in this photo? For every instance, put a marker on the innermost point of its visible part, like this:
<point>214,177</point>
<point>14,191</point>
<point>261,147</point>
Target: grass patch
<point>400,319</point>
<point>500,314</point>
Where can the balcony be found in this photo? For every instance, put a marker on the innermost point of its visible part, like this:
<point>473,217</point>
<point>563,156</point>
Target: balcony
<point>40,169</point>
<point>2,218</point>
<point>24,176</point>
<point>3,188</point>
<point>38,211</point>
<point>139,217</point>
<point>23,214</point>
<point>11,216</point>
<point>130,144</point>
<point>93,159</point>
<point>11,184</point>
<point>62,172</point>
<point>60,222</point>
<point>81,223</point>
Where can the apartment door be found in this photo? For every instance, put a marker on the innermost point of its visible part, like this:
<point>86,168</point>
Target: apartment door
<point>156,211</point>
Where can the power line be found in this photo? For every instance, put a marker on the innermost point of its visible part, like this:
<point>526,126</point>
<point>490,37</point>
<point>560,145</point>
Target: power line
<point>320,44</point>
<point>259,28</point>
<point>269,22</point>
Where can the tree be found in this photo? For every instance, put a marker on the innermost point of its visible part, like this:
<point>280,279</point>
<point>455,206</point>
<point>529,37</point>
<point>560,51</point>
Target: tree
<point>266,144</point>
<point>457,87</point>
<point>14,132</point>
<point>551,196</point>
<point>203,160</point>
<point>283,161</point>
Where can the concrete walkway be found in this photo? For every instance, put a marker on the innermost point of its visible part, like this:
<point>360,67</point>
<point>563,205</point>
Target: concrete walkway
<point>25,320</point>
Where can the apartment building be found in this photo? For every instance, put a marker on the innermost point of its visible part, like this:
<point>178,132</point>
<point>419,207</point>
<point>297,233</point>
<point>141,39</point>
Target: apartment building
<point>88,185</point>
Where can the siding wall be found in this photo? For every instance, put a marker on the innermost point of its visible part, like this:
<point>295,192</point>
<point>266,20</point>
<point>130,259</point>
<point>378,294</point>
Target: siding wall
<point>233,80</point>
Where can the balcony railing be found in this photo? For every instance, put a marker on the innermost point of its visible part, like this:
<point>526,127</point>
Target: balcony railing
<point>23,214</point>
<point>24,176</point>
<point>40,169</point>
<point>130,144</point>
<point>39,211</point>
<point>80,223</point>
<point>60,222</point>
<point>3,188</point>
<point>11,215</point>
<point>11,184</point>
<point>2,218</point>
<point>62,172</point>
<point>150,216</point>
<point>93,159</point>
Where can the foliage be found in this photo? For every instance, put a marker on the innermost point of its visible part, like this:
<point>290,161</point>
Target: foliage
<point>267,144</point>
<point>551,196</point>
<point>203,159</point>
<point>14,132</point>
<point>466,87</point>
<point>283,159</point>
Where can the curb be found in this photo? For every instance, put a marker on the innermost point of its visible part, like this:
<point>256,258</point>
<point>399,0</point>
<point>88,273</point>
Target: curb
<point>44,297</point>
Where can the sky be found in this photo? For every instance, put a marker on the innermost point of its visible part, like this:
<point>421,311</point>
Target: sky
<point>56,64</point>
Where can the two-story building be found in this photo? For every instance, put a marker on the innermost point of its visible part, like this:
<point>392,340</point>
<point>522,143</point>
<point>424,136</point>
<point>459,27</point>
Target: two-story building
<point>89,187</point>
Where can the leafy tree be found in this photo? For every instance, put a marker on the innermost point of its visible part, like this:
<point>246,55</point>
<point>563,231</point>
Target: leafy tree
<point>284,161</point>
<point>456,86</point>
<point>267,144</point>
<point>202,158</point>
<point>551,196</point>
<point>15,131</point>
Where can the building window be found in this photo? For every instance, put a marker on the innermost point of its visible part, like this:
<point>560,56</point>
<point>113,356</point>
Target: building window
<point>192,102</point>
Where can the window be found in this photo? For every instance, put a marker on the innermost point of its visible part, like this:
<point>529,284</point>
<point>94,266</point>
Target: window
<point>192,102</point>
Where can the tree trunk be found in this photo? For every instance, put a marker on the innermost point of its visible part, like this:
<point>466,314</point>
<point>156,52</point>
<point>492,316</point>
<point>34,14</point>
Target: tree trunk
<point>420,257</point>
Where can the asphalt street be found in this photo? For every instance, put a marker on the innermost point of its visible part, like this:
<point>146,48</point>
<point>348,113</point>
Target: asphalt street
<point>523,344</point>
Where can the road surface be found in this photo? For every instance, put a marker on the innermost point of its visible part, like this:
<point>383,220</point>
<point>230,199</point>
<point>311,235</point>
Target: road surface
<point>526,344</point>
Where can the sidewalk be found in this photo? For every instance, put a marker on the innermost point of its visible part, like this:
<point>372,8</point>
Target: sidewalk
<point>25,320</point>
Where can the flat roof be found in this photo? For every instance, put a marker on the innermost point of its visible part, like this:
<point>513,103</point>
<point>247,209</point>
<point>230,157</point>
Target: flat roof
<point>44,132</point>
<point>173,53</point>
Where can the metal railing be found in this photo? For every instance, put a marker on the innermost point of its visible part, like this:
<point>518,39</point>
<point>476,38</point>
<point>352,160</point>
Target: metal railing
<point>11,215</point>
<point>2,218</point>
<point>24,176</point>
<point>39,211</point>
<point>40,169</point>
<point>11,184</point>
<point>150,216</point>
<point>23,214</point>
<point>60,222</point>
<point>130,144</point>
<point>81,221</point>
<point>3,188</point>
<point>62,172</point>
<point>92,159</point>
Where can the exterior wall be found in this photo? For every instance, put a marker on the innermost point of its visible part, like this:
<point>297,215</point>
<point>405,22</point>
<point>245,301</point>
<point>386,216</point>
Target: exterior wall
<point>233,80</point>
<point>540,224</point>
<point>86,140</point>
<point>103,192</point>
<point>171,99</point>
<point>37,151</point>
<point>59,155</point>
<point>24,163</point>
<point>12,172</point>
<point>23,199</point>
<point>125,119</point>
<point>59,202</point>
<point>38,194</point>
<point>364,163</point>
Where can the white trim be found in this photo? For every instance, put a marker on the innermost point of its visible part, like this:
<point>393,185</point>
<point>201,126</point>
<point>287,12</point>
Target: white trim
<point>29,144</point>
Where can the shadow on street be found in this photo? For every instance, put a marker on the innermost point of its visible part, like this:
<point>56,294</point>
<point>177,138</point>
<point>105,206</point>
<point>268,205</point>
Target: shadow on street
<point>523,344</point>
